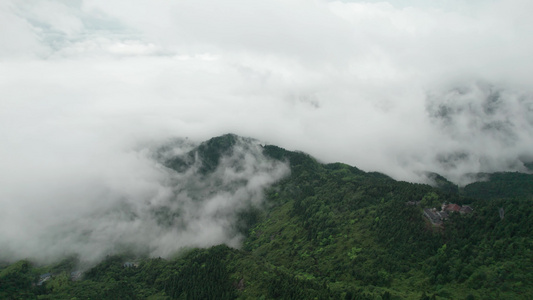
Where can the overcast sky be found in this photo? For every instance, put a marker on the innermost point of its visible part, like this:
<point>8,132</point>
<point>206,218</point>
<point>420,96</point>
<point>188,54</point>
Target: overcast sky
<point>400,87</point>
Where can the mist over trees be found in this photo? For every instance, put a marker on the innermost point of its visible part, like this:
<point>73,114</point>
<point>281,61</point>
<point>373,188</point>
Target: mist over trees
<point>112,185</point>
<point>327,231</point>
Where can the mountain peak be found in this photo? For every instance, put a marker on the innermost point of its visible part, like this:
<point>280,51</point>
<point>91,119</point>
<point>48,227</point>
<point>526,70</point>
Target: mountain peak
<point>208,153</point>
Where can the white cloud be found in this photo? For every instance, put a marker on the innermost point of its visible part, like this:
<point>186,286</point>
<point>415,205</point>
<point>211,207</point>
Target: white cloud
<point>83,84</point>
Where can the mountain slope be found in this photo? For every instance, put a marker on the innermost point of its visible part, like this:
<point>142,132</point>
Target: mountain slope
<point>332,231</point>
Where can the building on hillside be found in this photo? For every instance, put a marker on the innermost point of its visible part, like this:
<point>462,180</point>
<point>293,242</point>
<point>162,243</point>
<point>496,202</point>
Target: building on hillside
<point>43,278</point>
<point>452,207</point>
<point>466,209</point>
<point>433,216</point>
<point>437,217</point>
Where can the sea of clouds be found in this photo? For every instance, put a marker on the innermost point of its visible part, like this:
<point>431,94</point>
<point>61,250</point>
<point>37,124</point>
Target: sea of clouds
<point>87,88</point>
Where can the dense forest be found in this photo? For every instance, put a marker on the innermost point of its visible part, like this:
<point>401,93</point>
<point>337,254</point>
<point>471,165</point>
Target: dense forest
<point>327,231</point>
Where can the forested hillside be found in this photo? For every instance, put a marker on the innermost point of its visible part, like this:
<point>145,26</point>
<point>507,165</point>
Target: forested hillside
<point>326,231</point>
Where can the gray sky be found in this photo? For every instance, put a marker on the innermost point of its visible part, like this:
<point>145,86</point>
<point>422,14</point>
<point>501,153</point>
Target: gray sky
<point>399,87</point>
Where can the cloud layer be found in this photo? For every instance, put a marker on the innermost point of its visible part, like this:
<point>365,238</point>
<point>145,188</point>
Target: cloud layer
<point>136,204</point>
<point>399,87</point>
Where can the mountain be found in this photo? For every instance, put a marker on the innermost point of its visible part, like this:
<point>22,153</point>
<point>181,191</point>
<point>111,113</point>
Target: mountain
<point>209,153</point>
<point>325,231</point>
<point>501,185</point>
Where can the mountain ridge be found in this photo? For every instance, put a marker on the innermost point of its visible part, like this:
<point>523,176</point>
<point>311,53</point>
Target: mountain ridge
<point>330,231</point>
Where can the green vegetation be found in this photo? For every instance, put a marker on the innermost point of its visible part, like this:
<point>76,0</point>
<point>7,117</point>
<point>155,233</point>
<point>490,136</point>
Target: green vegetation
<point>330,232</point>
<point>501,185</point>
